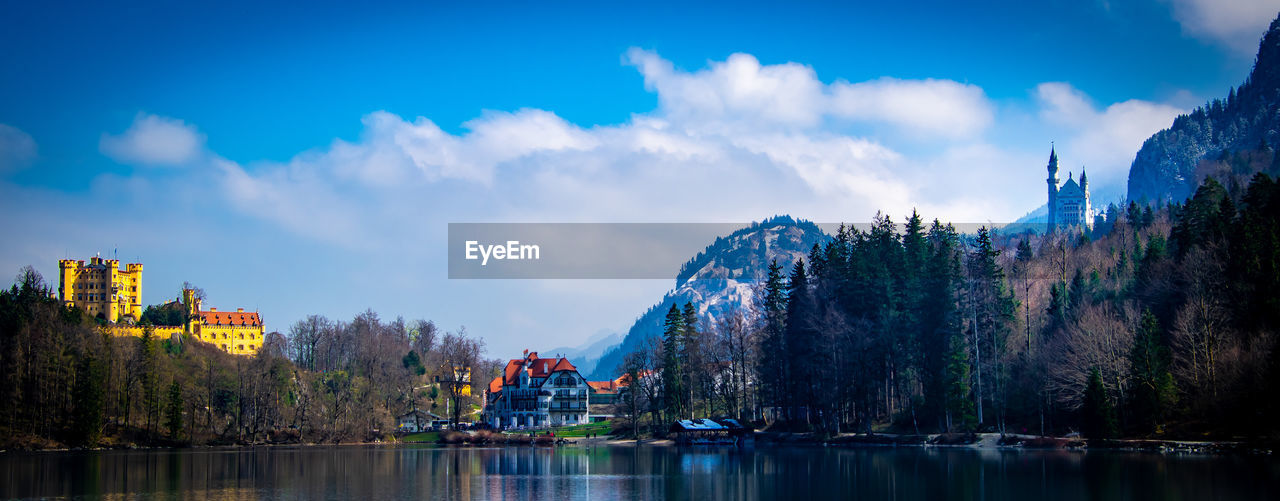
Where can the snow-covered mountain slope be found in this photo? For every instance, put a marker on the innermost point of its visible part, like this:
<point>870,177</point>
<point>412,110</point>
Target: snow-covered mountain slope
<point>721,279</point>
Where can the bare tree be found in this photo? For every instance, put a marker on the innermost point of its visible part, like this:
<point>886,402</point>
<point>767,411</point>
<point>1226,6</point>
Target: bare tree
<point>1101,337</point>
<point>633,400</point>
<point>459,356</point>
<point>734,338</point>
<point>304,336</point>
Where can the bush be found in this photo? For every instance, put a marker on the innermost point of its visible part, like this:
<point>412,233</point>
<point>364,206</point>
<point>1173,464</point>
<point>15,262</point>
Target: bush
<point>453,437</point>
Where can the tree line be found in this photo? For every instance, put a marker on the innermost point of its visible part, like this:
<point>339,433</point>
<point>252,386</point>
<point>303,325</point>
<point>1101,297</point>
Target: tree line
<point>1158,321</point>
<point>65,380</point>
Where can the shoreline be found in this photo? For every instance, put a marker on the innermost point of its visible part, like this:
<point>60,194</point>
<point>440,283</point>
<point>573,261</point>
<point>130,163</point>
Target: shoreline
<point>976,442</point>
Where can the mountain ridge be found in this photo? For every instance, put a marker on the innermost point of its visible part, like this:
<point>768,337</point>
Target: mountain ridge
<point>1165,168</point>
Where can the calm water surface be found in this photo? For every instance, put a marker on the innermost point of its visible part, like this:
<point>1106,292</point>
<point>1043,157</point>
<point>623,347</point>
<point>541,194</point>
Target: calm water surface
<point>410,472</point>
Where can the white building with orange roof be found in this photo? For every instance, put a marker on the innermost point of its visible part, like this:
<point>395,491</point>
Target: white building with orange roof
<point>536,392</point>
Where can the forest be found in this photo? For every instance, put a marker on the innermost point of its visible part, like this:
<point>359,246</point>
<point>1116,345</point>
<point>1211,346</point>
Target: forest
<point>67,382</point>
<point>1158,321</point>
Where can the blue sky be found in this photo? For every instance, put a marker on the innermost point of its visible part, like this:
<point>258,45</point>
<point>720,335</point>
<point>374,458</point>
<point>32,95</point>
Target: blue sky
<point>307,160</point>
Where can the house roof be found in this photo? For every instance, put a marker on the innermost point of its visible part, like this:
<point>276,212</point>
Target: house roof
<point>535,367</point>
<point>731,424</point>
<point>625,379</point>
<point>230,318</point>
<point>421,413</point>
<point>604,386</point>
<point>512,372</point>
<point>541,367</point>
<point>563,365</point>
<point>495,386</point>
<point>697,425</point>
<point>1070,189</point>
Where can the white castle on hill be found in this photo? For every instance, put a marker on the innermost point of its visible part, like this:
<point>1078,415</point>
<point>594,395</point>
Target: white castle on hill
<point>1069,204</point>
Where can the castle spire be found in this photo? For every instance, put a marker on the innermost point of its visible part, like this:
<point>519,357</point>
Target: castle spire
<point>1053,160</point>
<point>1084,179</point>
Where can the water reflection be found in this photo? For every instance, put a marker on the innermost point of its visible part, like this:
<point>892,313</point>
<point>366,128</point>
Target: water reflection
<point>410,472</point>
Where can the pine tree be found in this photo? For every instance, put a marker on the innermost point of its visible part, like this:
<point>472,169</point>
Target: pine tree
<point>1098,414</point>
<point>672,392</point>
<point>149,378</point>
<point>960,414</point>
<point>940,328</point>
<point>799,342</point>
<point>90,396</point>
<point>692,377</point>
<point>1022,264</point>
<point>772,362</point>
<point>993,308</point>
<point>173,411</point>
<point>1153,392</point>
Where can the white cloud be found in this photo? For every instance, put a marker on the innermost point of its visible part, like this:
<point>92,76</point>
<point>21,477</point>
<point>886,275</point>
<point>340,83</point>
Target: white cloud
<point>721,146</point>
<point>738,89</point>
<point>935,107</point>
<point>733,142</point>
<point>17,149</point>
<point>154,141</point>
<point>1103,141</point>
<point>740,93</point>
<point>1237,24</point>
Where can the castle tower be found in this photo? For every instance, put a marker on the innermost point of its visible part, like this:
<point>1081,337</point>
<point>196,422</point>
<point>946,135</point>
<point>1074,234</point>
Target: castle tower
<point>1053,187</point>
<point>101,288</point>
<point>1084,187</point>
<point>68,269</point>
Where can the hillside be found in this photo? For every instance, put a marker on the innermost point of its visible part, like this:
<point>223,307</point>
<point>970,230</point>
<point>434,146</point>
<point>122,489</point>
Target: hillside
<point>1166,168</point>
<point>721,278</point>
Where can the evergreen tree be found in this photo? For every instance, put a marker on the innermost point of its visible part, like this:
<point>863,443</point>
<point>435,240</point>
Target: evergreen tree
<point>992,308</point>
<point>693,378</point>
<point>149,367</point>
<point>672,391</point>
<point>1097,413</point>
<point>1204,219</point>
<point>1077,291</point>
<point>960,414</point>
<point>173,410</point>
<point>90,397</point>
<point>800,342</point>
<point>1153,392</point>
<point>772,361</point>
<point>1022,265</point>
<point>413,363</point>
<point>940,332</point>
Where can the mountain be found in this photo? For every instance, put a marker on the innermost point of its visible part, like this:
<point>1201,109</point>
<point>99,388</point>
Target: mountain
<point>721,279</point>
<point>586,356</point>
<point>1169,165</point>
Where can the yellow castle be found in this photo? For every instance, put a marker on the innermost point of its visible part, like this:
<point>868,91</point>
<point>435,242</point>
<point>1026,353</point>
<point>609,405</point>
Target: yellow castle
<point>108,293</point>
<point>236,332</point>
<point>102,288</point>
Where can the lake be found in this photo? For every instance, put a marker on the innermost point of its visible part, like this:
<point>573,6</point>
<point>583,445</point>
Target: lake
<point>601,472</point>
